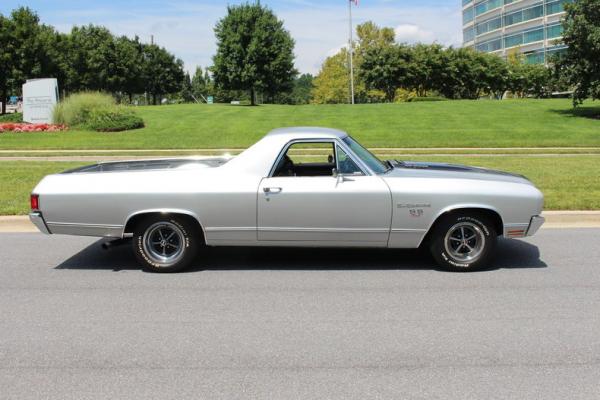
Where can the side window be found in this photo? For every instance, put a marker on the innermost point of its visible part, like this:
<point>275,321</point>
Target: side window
<point>345,164</point>
<point>307,159</point>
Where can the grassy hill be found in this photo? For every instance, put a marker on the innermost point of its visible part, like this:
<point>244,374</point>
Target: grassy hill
<point>484,123</point>
<point>573,185</point>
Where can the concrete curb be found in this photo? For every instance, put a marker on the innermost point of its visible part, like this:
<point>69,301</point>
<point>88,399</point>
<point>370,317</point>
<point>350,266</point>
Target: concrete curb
<point>554,220</point>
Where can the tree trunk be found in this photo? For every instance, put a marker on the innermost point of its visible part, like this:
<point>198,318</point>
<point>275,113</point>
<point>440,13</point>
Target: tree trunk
<point>130,98</point>
<point>154,99</point>
<point>252,97</point>
<point>4,94</point>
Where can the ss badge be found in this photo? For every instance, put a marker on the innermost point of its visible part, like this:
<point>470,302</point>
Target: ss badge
<point>415,212</point>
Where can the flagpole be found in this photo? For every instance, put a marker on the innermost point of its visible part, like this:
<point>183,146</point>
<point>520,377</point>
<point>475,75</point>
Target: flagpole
<point>350,51</point>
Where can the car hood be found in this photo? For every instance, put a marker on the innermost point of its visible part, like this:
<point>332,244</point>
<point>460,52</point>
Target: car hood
<point>154,164</point>
<point>451,171</point>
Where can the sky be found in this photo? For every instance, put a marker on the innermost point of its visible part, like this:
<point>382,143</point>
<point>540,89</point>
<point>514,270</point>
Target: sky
<point>319,27</point>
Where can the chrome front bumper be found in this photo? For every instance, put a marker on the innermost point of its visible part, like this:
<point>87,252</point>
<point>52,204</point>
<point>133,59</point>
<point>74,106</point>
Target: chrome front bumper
<point>37,219</point>
<point>534,225</point>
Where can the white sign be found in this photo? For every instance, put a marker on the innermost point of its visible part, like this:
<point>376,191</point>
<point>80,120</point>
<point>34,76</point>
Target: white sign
<point>39,98</point>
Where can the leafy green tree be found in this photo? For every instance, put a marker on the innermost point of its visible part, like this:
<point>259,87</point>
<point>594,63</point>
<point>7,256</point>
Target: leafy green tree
<point>301,94</point>
<point>428,68</point>
<point>186,89</point>
<point>93,58</point>
<point>388,68</point>
<point>162,72</point>
<point>331,86</point>
<point>5,60</point>
<point>202,85</point>
<point>580,64</point>
<point>128,67</point>
<point>254,51</point>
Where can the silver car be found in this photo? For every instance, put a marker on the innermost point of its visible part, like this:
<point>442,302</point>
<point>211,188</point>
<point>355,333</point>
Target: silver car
<point>295,187</point>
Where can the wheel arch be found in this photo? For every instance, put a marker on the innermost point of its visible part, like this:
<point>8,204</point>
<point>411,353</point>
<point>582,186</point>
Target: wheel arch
<point>136,217</point>
<point>489,211</point>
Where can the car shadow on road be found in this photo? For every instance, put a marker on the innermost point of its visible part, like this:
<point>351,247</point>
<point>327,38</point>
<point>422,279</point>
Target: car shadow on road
<point>510,254</point>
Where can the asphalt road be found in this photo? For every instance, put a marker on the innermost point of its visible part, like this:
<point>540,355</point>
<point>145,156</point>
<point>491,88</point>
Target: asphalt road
<point>77,322</point>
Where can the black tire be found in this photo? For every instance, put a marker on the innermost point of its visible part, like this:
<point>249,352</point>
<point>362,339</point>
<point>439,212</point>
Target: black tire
<point>166,243</point>
<point>451,247</point>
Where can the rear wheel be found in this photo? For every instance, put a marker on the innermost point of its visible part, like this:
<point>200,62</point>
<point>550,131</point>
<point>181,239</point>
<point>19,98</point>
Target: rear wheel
<point>166,243</point>
<point>463,241</point>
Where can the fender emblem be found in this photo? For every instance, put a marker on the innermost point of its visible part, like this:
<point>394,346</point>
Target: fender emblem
<point>413,205</point>
<point>415,212</point>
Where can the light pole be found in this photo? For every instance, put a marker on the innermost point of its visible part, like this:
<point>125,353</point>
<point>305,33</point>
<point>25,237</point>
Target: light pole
<point>350,49</point>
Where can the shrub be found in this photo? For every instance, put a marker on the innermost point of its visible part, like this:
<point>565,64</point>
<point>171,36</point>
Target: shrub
<point>113,120</point>
<point>16,117</point>
<point>75,109</point>
<point>429,98</point>
<point>95,111</point>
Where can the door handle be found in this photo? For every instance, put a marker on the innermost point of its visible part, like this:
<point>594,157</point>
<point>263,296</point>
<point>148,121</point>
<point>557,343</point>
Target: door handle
<point>272,189</point>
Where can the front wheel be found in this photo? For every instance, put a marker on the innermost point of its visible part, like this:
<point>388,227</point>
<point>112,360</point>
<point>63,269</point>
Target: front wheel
<point>166,243</point>
<point>463,242</point>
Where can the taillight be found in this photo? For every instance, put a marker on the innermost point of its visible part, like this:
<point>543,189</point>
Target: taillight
<point>35,202</point>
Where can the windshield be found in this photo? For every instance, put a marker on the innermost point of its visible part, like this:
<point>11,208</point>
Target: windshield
<point>374,163</point>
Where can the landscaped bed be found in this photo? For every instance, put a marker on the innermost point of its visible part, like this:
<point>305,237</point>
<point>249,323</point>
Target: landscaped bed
<point>25,127</point>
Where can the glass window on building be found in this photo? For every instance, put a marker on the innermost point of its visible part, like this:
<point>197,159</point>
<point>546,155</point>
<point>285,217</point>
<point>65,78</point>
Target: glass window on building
<point>533,12</point>
<point>469,34</point>
<point>524,15</point>
<point>468,15</point>
<point>489,25</point>
<point>513,18</point>
<point>513,40</point>
<point>491,45</point>
<point>556,6</point>
<point>554,31</point>
<point>533,36</point>
<point>465,2</point>
<point>487,6</point>
<point>535,57</point>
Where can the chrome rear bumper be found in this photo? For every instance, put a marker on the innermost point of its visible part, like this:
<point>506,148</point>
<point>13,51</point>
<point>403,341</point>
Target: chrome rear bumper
<point>534,225</point>
<point>37,219</point>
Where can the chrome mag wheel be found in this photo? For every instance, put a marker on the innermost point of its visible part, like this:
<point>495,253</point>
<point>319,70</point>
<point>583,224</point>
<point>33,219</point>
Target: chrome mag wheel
<point>164,243</point>
<point>464,242</point>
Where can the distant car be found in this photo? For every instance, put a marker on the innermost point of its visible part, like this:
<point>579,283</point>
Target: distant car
<point>295,187</point>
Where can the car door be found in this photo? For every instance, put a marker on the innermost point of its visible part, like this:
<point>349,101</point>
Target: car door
<point>349,207</point>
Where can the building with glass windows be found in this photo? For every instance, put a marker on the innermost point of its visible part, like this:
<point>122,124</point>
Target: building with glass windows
<point>531,27</point>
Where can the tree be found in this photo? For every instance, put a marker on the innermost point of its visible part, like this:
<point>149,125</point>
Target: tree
<point>427,68</point>
<point>580,65</point>
<point>5,60</point>
<point>301,94</point>
<point>186,89</point>
<point>254,51</point>
<point>93,57</point>
<point>331,85</point>
<point>162,72</point>
<point>128,67</point>
<point>388,68</point>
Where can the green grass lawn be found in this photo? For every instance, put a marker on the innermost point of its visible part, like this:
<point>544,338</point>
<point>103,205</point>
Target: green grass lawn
<point>483,123</point>
<point>569,183</point>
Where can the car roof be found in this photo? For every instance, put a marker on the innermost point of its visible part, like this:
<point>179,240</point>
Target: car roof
<point>308,132</point>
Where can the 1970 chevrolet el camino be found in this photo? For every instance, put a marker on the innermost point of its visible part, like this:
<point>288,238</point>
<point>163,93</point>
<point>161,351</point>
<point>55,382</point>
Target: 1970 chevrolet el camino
<point>295,187</point>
